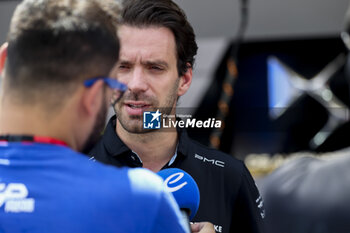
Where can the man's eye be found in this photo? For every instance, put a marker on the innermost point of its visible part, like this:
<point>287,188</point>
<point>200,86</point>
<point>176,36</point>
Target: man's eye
<point>123,67</point>
<point>157,68</point>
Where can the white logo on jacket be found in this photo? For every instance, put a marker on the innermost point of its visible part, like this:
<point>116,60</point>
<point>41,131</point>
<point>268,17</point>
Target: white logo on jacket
<point>212,161</point>
<point>14,198</point>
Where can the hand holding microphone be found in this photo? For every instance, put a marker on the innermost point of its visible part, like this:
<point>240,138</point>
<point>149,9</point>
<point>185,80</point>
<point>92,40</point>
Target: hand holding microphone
<point>186,193</point>
<point>202,227</point>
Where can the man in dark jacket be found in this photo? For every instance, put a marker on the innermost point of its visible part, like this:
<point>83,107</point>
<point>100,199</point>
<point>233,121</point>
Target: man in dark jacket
<point>156,62</point>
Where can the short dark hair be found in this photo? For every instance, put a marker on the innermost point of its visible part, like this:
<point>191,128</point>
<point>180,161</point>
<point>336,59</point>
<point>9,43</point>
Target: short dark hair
<point>164,13</point>
<point>54,43</point>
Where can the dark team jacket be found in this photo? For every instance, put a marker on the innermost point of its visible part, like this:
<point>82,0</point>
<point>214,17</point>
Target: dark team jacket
<point>309,194</point>
<point>228,195</point>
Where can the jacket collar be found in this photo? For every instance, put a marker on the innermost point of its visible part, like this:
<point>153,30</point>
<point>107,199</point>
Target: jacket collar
<point>115,146</point>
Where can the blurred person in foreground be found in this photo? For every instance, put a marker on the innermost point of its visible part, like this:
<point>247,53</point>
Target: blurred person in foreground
<point>157,56</point>
<point>55,92</point>
<point>310,194</point>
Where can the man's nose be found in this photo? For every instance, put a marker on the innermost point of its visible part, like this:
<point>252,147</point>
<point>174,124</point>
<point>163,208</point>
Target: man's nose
<point>138,81</point>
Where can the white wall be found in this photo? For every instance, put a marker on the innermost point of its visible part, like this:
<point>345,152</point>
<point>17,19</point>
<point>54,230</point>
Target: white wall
<point>268,18</point>
<point>6,10</point>
<point>215,21</point>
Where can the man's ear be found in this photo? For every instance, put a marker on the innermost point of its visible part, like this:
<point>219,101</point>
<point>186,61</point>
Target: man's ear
<point>3,56</point>
<point>185,81</point>
<point>92,98</point>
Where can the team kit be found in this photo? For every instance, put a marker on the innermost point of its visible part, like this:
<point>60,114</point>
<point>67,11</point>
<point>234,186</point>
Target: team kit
<point>65,167</point>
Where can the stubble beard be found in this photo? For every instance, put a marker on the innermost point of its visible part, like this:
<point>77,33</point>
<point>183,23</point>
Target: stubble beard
<point>134,124</point>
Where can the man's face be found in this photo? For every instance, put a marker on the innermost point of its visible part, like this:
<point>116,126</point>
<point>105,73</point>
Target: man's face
<point>148,65</point>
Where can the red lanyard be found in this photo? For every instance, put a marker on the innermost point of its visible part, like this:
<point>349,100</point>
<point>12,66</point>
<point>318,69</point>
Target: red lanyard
<point>31,139</point>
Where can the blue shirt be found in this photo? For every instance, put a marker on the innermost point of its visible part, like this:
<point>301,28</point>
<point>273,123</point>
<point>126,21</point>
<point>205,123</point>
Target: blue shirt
<point>51,188</point>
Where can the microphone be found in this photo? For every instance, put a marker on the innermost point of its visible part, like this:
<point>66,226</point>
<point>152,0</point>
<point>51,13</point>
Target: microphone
<point>184,189</point>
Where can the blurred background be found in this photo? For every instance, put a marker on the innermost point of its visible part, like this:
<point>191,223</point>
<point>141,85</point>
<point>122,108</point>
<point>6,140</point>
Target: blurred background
<point>273,71</point>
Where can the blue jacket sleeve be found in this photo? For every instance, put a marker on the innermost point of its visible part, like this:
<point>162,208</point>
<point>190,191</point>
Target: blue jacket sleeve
<point>168,218</point>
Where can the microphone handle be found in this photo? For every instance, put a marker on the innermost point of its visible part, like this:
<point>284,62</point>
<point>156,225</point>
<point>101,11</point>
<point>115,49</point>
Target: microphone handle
<point>185,220</point>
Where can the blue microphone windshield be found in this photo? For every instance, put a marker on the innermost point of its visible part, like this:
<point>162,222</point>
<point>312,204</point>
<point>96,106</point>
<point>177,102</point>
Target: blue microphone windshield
<point>183,187</point>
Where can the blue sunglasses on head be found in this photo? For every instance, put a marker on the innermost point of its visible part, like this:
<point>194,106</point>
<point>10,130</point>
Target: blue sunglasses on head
<point>117,87</point>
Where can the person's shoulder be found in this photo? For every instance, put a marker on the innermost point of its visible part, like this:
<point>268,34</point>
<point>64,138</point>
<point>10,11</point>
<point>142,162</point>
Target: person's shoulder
<point>137,184</point>
<point>137,193</point>
<point>293,172</point>
<point>95,170</point>
<point>146,191</point>
<point>136,178</point>
<point>310,172</point>
<point>138,181</point>
<point>145,181</point>
<point>219,159</point>
<point>318,186</point>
